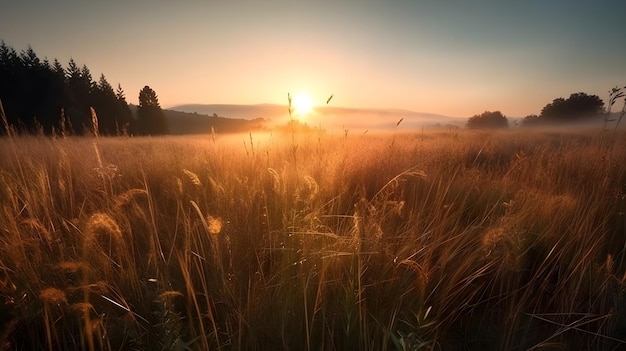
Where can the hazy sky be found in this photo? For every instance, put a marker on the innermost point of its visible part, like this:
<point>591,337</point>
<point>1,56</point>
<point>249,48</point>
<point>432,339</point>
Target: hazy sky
<point>456,58</point>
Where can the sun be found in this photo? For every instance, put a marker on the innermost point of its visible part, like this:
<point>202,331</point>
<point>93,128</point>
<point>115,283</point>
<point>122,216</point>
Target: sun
<point>302,105</point>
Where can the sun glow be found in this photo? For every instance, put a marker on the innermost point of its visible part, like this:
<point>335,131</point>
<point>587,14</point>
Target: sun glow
<point>302,105</point>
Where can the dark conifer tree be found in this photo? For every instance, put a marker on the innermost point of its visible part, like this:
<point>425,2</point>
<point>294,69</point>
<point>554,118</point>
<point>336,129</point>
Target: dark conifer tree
<point>9,67</point>
<point>125,122</point>
<point>58,69</point>
<point>150,117</point>
<point>40,95</point>
<point>29,58</point>
<point>65,100</point>
<point>103,101</point>
<point>52,98</point>
<point>31,91</point>
<point>75,111</point>
<point>113,117</point>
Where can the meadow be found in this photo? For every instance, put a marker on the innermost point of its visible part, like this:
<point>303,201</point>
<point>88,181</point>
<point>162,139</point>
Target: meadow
<point>452,240</point>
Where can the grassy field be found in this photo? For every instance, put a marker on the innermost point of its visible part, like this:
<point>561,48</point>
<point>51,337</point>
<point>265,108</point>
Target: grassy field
<point>429,241</point>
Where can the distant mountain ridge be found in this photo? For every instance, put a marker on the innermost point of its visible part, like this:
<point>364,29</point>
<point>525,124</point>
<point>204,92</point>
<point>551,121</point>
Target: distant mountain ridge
<point>328,117</point>
<point>233,110</point>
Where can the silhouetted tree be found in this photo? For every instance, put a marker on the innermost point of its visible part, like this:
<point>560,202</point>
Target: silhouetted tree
<point>105,104</point>
<point>531,120</point>
<point>113,116</point>
<point>27,89</point>
<point>126,123</point>
<point>77,109</point>
<point>36,94</point>
<point>488,120</point>
<point>578,106</point>
<point>29,58</point>
<point>150,117</point>
<point>9,63</point>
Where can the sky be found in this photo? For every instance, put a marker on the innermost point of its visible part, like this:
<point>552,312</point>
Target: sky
<point>456,58</point>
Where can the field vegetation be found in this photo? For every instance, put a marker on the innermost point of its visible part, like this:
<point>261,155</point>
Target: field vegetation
<point>474,240</point>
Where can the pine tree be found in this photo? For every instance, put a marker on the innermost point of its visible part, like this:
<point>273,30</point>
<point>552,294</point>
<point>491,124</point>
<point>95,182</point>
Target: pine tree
<point>126,123</point>
<point>30,90</point>
<point>41,95</point>
<point>104,103</point>
<point>9,63</point>
<point>72,71</point>
<point>81,88</point>
<point>29,58</point>
<point>58,69</point>
<point>120,94</point>
<point>114,117</point>
<point>150,116</point>
<point>87,81</point>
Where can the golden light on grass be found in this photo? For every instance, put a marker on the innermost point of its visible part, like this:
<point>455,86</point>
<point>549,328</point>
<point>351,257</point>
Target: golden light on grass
<point>103,225</point>
<point>51,297</point>
<point>262,246</point>
<point>130,196</point>
<point>195,180</point>
<point>215,224</point>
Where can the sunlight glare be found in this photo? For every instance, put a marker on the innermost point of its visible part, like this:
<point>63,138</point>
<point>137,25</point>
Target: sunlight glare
<point>302,105</point>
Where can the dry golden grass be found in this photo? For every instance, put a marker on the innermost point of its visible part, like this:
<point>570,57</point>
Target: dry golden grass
<point>467,240</point>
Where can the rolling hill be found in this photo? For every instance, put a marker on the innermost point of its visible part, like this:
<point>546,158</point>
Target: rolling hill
<point>326,117</point>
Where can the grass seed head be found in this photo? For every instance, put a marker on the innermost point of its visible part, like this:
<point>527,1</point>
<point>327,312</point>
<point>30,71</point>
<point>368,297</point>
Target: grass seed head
<point>215,224</point>
<point>52,296</point>
<point>192,177</point>
<point>130,196</point>
<point>82,307</point>
<point>101,225</point>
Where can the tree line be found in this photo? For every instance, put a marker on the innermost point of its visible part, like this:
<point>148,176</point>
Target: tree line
<point>579,107</point>
<point>44,97</point>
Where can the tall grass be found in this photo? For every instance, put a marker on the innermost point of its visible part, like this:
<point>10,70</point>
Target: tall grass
<point>508,240</point>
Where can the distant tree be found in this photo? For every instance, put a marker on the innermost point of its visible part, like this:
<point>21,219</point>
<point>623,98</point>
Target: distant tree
<point>57,68</point>
<point>87,79</point>
<point>29,58</point>
<point>104,103</point>
<point>125,121</point>
<point>488,120</point>
<point>531,121</point>
<point>578,106</point>
<point>150,117</point>
<point>104,86</point>
<point>72,71</point>
<point>50,97</point>
<point>76,109</point>
<point>114,117</point>
<point>83,96</point>
<point>29,89</point>
<point>66,100</point>
<point>119,93</point>
<point>8,80</point>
